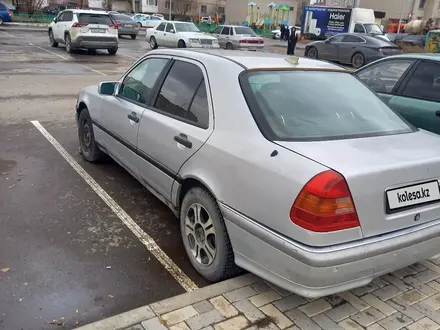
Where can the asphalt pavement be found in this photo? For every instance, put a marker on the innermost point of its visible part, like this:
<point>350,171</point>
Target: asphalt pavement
<point>66,257</point>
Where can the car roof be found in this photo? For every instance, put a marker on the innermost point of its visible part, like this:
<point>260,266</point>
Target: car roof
<point>253,60</point>
<point>85,11</point>
<point>420,56</point>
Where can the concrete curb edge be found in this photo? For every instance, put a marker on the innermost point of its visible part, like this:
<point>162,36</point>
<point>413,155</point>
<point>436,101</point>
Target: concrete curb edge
<point>135,316</point>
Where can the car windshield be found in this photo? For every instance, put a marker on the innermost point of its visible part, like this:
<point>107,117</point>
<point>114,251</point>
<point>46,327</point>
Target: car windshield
<point>94,19</point>
<point>186,27</point>
<point>373,28</point>
<point>317,105</point>
<point>122,18</point>
<point>244,30</point>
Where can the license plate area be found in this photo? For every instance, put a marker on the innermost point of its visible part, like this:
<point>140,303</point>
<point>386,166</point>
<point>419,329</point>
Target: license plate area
<point>97,30</point>
<point>411,196</point>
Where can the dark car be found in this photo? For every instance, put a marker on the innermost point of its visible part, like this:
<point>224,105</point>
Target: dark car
<point>126,25</point>
<point>408,84</point>
<point>352,48</point>
<point>54,9</point>
<point>5,14</point>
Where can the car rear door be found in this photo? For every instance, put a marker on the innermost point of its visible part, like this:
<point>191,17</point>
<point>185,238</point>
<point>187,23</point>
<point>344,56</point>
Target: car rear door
<point>385,76</point>
<point>349,45</point>
<point>159,33</point>
<point>170,35</point>
<point>57,28</point>
<point>121,114</point>
<point>175,125</point>
<point>418,98</point>
<point>330,48</point>
<point>224,36</point>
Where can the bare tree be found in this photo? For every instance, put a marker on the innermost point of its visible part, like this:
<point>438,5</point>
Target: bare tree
<point>107,4</point>
<point>30,6</point>
<point>183,7</point>
<point>82,3</point>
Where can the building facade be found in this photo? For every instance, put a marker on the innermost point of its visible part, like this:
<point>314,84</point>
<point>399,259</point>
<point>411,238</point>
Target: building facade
<point>238,11</point>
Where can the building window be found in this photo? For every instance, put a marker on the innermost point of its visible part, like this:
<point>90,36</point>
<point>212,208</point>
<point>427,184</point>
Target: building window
<point>422,4</point>
<point>167,5</point>
<point>221,10</point>
<point>152,2</point>
<point>203,9</point>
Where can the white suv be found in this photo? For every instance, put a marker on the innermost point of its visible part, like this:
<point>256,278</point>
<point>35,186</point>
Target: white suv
<point>84,29</point>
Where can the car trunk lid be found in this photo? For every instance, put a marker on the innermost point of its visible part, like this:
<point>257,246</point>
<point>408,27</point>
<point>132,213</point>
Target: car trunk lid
<point>394,179</point>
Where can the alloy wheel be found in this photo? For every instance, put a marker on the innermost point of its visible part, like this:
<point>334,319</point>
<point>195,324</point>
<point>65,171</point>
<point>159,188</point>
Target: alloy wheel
<point>200,233</point>
<point>86,137</point>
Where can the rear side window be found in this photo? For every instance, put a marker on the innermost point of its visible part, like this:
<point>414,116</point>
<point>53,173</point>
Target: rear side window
<point>94,19</point>
<point>183,94</point>
<point>68,16</point>
<point>424,83</point>
<point>317,105</point>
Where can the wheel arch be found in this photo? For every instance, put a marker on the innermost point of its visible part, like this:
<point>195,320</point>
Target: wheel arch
<point>81,106</point>
<point>190,182</point>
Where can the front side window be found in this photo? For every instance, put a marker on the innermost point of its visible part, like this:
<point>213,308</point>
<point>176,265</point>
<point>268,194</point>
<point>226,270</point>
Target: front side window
<point>337,38</point>
<point>138,84</point>
<point>424,83</point>
<point>226,30</point>
<point>383,77</point>
<point>169,28</point>
<point>183,93</point>
<point>317,105</point>
<point>358,28</point>
<point>161,27</point>
<point>60,17</point>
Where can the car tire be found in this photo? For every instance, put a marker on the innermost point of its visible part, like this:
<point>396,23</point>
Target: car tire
<point>229,46</point>
<point>87,145</point>
<point>312,53</point>
<point>181,44</point>
<point>112,51</point>
<point>133,36</point>
<point>153,43</point>
<point>210,254</point>
<point>68,43</point>
<point>1,21</point>
<point>358,60</point>
<point>52,41</point>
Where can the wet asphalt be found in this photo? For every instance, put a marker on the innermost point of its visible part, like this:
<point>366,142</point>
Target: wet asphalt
<point>65,258</point>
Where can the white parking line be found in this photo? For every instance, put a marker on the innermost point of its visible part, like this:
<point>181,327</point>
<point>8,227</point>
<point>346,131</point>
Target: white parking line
<point>151,245</point>
<point>8,34</point>
<point>66,58</point>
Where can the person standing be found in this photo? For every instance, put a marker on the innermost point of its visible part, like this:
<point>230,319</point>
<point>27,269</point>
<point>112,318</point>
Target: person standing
<point>282,30</point>
<point>209,22</point>
<point>291,41</point>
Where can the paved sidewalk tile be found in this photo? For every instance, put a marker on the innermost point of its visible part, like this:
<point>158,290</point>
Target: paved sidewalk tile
<point>407,299</point>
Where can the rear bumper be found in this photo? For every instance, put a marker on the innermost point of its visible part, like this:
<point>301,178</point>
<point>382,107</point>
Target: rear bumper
<point>249,47</point>
<point>95,43</point>
<point>316,272</point>
<point>129,31</point>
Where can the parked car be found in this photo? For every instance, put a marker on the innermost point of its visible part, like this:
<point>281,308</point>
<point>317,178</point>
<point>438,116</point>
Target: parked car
<point>409,84</point>
<point>238,37</point>
<point>276,34</point>
<point>146,21</point>
<point>126,25</point>
<point>324,191</point>
<point>54,9</point>
<point>180,35</point>
<point>5,14</point>
<point>86,29</point>
<point>351,48</point>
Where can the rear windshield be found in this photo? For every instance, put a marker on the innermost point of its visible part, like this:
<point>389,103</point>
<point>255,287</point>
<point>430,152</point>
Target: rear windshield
<point>244,30</point>
<point>122,18</point>
<point>317,105</point>
<point>94,19</point>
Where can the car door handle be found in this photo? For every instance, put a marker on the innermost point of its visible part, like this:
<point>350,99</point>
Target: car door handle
<point>183,140</point>
<point>437,113</point>
<point>133,116</point>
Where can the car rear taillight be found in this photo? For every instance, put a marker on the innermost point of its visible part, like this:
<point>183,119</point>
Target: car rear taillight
<point>242,41</point>
<point>261,42</point>
<point>114,26</point>
<point>10,13</point>
<point>325,204</point>
<point>80,24</point>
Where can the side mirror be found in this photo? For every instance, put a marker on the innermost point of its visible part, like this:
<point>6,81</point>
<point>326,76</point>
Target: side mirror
<point>108,88</point>
<point>54,19</point>
<point>172,31</point>
<point>327,41</point>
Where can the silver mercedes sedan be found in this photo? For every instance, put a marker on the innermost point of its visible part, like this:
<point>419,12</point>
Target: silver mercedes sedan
<point>289,168</point>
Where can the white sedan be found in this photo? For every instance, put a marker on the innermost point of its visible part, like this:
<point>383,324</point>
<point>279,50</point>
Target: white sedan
<point>180,35</point>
